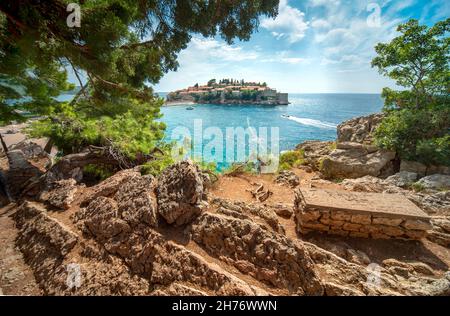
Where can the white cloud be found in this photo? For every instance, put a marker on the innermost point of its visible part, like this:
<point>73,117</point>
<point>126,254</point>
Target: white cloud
<point>326,3</point>
<point>221,51</point>
<point>290,23</point>
<point>320,24</point>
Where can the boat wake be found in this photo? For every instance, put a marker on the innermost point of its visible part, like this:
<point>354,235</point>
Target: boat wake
<point>310,122</point>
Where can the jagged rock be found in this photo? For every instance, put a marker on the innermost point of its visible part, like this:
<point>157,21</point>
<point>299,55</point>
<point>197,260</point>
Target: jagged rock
<point>314,151</point>
<point>269,257</point>
<point>354,160</point>
<point>266,212</point>
<point>402,179</point>
<point>180,193</point>
<point>20,172</point>
<point>111,185</point>
<point>137,202</point>
<point>289,178</point>
<point>423,170</point>
<point>359,129</point>
<point>60,194</point>
<point>30,149</point>
<point>435,181</point>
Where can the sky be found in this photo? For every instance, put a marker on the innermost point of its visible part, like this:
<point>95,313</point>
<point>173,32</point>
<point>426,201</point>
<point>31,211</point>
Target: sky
<point>312,46</point>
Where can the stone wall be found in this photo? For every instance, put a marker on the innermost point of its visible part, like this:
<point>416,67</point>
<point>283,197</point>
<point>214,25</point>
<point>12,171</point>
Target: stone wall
<point>352,223</point>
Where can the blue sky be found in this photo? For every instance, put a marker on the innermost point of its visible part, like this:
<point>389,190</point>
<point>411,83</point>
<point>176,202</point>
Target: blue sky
<point>313,46</point>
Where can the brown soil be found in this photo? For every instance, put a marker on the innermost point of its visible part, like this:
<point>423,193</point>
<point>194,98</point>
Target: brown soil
<point>16,277</point>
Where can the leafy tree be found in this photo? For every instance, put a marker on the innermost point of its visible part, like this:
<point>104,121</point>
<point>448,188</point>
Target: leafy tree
<point>121,46</point>
<point>417,123</point>
<point>211,82</point>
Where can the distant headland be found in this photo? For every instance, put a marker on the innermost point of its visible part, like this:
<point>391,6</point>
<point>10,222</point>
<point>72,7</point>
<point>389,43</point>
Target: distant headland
<point>228,91</point>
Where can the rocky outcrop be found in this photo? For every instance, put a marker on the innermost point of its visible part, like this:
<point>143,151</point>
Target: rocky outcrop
<point>20,172</point>
<point>435,181</point>
<point>423,170</point>
<point>266,256</point>
<point>266,213</point>
<point>314,151</point>
<point>60,194</point>
<point>359,129</point>
<point>180,193</point>
<point>30,149</point>
<point>354,160</point>
<point>288,178</point>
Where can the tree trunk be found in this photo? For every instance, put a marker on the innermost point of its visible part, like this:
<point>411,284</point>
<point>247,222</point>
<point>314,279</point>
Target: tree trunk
<point>70,166</point>
<point>48,147</point>
<point>5,148</point>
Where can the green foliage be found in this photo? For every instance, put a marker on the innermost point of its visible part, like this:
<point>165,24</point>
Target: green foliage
<point>290,159</point>
<point>97,172</point>
<point>417,122</point>
<point>418,187</point>
<point>157,166</point>
<point>114,106</point>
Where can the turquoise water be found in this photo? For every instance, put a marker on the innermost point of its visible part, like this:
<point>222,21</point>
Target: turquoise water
<point>312,116</point>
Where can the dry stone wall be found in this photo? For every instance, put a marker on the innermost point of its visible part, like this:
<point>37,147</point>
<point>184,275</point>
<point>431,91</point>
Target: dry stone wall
<point>357,223</point>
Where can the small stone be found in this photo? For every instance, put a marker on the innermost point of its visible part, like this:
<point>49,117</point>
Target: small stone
<point>316,226</point>
<point>351,227</point>
<point>341,216</point>
<point>416,234</point>
<point>308,216</point>
<point>417,224</point>
<point>387,221</point>
<point>361,219</point>
<point>392,231</point>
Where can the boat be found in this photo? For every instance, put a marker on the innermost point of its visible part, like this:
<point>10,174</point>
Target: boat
<point>286,116</point>
<point>189,108</point>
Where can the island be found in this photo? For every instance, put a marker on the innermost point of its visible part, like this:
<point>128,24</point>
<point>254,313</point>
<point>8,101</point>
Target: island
<point>229,91</point>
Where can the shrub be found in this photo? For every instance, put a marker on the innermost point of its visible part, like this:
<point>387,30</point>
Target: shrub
<point>290,159</point>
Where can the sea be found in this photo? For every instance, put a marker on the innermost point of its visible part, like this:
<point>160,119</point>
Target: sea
<point>307,117</point>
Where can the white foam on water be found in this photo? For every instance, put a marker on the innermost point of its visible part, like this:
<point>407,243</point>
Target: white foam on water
<point>311,122</point>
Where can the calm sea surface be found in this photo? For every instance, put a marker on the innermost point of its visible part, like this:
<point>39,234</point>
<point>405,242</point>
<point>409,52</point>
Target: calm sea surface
<point>311,117</point>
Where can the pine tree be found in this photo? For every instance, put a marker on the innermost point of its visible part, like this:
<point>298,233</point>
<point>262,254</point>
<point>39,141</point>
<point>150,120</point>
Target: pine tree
<point>120,46</point>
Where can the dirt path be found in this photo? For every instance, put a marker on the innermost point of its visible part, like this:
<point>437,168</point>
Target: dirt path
<point>16,277</point>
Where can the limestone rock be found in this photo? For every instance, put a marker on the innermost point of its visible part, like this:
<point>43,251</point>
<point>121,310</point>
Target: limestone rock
<point>179,193</point>
<point>357,161</point>
<point>289,178</point>
<point>30,149</point>
<point>60,194</point>
<point>435,181</point>
<point>111,185</point>
<point>269,257</point>
<point>402,179</point>
<point>359,129</point>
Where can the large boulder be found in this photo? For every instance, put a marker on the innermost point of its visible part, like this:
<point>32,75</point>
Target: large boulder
<point>179,193</point>
<point>354,160</point>
<point>30,149</point>
<point>435,181</point>
<point>402,179</point>
<point>359,129</point>
<point>423,170</point>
